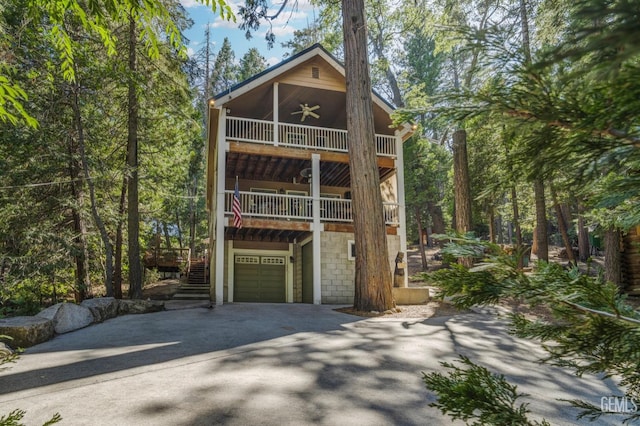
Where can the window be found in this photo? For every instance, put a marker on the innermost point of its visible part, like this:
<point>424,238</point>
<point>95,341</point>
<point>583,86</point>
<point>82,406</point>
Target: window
<point>262,204</point>
<point>296,138</point>
<point>298,207</point>
<point>264,190</point>
<point>351,250</point>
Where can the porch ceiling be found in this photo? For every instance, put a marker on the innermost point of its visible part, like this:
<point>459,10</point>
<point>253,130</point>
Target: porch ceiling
<point>277,169</point>
<point>259,104</point>
<point>264,235</point>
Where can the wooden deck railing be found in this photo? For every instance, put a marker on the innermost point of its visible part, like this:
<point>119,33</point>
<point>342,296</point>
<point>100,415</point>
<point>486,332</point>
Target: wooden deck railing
<point>299,136</point>
<point>167,259</point>
<point>294,207</point>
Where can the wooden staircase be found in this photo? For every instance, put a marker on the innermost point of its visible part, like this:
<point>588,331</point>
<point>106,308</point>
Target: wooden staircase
<point>197,286</point>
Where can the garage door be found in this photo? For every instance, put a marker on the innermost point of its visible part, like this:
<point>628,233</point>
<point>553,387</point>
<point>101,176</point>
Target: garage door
<point>259,279</point>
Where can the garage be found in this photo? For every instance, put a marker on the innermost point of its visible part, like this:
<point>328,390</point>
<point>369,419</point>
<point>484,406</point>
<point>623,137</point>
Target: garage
<point>259,279</point>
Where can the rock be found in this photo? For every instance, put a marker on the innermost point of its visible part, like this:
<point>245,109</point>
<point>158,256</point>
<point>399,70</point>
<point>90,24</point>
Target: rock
<point>126,306</point>
<point>26,331</point>
<point>5,350</point>
<point>67,317</point>
<point>102,308</point>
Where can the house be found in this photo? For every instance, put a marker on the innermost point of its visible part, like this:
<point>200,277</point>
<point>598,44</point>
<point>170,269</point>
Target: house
<point>281,135</point>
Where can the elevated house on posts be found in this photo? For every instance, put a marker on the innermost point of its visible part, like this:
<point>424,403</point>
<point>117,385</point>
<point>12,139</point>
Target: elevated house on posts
<point>280,138</point>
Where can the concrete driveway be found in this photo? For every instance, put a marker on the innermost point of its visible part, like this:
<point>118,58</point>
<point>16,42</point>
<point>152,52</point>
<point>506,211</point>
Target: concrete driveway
<point>268,364</point>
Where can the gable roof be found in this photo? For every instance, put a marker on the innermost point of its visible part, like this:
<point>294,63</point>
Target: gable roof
<point>288,64</point>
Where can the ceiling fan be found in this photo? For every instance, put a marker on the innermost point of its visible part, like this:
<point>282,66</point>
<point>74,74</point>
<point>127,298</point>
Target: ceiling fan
<point>306,111</point>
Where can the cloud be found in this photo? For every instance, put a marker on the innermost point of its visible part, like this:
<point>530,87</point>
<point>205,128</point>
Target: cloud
<point>221,23</point>
<point>273,60</point>
<point>190,3</point>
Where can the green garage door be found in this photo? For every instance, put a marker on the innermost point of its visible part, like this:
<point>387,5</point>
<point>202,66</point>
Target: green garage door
<point>259,279</point>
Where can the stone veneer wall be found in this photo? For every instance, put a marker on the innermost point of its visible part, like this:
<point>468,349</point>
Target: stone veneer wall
<point>393,245</point>
<point>297,273</point>
<point>338,272</point>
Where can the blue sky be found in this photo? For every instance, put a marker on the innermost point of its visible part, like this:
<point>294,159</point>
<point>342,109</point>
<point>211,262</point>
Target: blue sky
<point>283,28</point>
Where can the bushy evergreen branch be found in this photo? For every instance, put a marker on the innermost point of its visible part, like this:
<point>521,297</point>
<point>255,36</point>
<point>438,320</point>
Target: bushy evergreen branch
<point>472,393</point>
<point>591,328</point>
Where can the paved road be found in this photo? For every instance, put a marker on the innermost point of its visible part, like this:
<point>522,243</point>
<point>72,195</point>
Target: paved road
<point>268,364</point>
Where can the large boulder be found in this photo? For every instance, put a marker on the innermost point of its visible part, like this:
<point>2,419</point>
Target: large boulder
<point>26,331</point>
<point>126,306</point>
<point>102,308</point>
<point>67,317</point>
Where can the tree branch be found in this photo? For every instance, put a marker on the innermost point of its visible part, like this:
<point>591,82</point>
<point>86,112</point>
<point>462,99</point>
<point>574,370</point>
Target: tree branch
<point>600,313</point>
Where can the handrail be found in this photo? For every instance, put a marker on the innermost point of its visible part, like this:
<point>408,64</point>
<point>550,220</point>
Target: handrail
<point>299,136</point>
<point>297,207</point>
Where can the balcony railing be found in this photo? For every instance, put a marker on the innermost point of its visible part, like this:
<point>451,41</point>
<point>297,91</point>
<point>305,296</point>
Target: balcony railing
<point>295,207</point>
<point>300,136</point>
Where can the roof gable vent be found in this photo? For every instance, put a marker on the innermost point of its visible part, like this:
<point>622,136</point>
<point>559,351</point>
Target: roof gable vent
<point>315,72</point>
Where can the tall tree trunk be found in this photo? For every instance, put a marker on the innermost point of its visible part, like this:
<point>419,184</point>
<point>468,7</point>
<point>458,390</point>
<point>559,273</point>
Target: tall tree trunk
<point>562,227</point>
<point>133,215</point>
<point>81,252</point>
<point>516,217</point>
<point>167,237</point>
<point>377,43</point>
<point>117,274</point>
<point>108,248</point>
<point>423,256</point>
<point>437,218</point>
<point>462,186</point>
<point>516,225</point>
<point>514,206</point>
<point>492,224</point>
<point>499,228</point>
<point>613,257</point>
<point>584,249</point>
<point>542,241</point>
<point>179,227</point>
<point>373,281</point>
<point>192,216</point>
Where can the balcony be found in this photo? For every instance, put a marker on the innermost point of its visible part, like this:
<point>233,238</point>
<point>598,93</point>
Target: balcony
<point>299,136</point>
<point>300,208</point>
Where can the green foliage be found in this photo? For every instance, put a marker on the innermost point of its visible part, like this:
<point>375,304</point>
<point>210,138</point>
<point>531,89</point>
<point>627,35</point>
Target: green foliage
<point>225,71</point>
<point>251,64</point>
<point>592,328</point>
<point>14,417</point>
<point>476,396</point>
<point>151,276</point>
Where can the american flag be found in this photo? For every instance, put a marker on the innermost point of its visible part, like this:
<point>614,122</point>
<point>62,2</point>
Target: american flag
<point>237,208</point>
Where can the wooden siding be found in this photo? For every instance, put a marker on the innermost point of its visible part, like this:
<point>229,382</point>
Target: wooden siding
<point>329,78</point>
